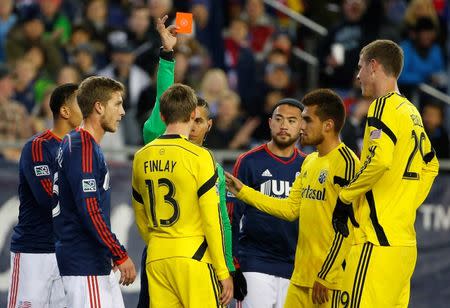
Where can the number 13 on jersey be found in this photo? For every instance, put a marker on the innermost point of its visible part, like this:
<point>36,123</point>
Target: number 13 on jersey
<point>169,198</point>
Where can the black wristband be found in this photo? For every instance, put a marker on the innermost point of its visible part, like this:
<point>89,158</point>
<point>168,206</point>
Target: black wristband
<point>166,55</point>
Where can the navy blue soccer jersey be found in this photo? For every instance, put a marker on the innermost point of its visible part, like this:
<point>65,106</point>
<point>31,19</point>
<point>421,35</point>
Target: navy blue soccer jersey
<point>261,242</point>
<point>34,231</point>
<point>85,244</point>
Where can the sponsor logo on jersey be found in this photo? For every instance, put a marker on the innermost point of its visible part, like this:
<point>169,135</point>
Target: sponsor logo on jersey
<point>266,173</point>
<point>313,194</point>
<point>323,176</point>
<point>375,134</point>
<point>275,188</point>
<point>89,185</point>
<point>41,170</point>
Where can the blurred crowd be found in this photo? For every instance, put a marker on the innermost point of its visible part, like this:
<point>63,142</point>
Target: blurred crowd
<point>242,58</point>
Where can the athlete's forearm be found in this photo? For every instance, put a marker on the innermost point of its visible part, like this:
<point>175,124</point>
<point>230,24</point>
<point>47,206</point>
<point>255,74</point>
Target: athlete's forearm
<point>154,126</point>
<point>281,208</point>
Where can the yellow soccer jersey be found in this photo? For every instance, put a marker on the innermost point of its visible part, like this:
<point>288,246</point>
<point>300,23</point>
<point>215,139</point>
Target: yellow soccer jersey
<point>320,251</point>
<point>176,202</point>
<point>397,174</point>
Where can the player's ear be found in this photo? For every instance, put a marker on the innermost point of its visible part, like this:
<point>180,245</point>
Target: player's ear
<point>99,107</point>
<point>64,112</point>
<point>210,123</point>
<point>162,117</point>
<point>329,125</point>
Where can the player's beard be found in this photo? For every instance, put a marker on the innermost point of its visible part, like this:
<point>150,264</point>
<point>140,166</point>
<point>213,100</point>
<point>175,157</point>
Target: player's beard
<point>283,144</point>
<point>311,141</point>
<point>108,126</point>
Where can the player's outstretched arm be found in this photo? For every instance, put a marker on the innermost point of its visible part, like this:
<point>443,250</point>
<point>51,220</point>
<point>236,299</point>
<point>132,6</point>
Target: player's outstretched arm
<point>287,209</point>
<point>154,126</point>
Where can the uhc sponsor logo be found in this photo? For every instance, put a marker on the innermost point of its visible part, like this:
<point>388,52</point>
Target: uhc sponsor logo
<point>313,194</point>
<point>275,188</point>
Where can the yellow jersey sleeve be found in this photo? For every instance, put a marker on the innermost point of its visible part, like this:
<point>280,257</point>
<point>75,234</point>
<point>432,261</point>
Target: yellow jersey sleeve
<point>287,209</point>
<point>430,169</point>
<point>138,206</point>
<point>208,196</point>
<point>331,270</point>
<point>381,139</point>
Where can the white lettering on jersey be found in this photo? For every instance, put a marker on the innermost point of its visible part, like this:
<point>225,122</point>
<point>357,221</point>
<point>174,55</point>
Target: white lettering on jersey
<point>275,188</point>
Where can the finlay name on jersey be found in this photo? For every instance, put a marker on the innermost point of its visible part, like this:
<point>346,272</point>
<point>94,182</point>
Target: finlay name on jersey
<point>313,194</point>
<point>159,165</point>
<point>276,188</point>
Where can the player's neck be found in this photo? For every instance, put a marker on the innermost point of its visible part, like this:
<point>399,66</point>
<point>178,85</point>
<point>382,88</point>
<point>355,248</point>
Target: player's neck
<point>328,145</point>
<point>280,152</point>
<point>61,128</point>
<point>178,129</point>
<point>94,128</point>
<point>388,85</point>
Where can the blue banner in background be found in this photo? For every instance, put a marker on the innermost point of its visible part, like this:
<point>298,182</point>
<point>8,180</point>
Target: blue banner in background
<point>430,286</point>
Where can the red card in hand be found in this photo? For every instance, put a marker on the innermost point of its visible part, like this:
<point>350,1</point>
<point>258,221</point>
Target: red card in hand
<point>184,22</point>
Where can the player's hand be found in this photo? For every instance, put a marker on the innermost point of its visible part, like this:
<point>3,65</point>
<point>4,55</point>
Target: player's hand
<point>319,294</point>
<point>234,185</point>
<point>127,272</point>
<point>168,35</point>
<point>342,212</point>
<point>239,284</point>
<point>227,291</point>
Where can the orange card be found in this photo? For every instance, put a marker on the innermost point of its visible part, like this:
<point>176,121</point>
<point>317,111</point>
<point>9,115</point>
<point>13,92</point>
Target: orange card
<point>184,22</point>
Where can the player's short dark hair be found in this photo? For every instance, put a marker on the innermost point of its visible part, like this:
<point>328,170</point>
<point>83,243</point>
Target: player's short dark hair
<point>96,89</point>
<point>177,103</point>
<point>329,106</point>
<point>60,96</point>
<point>386,52</point>
<point>201,102</point>
<point>289,101</point>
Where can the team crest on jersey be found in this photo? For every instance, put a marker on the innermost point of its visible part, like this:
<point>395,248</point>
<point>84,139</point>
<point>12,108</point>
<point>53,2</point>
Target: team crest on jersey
<point>41,170</point>
<point>89,185</point>
<point>323,176</point>
<point>375,134</point>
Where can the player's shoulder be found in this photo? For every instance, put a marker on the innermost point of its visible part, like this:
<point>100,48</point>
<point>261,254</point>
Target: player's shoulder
<point>346,154</point>
<point>252,154</point>
<point>37,144</point>
<point>388,105</point>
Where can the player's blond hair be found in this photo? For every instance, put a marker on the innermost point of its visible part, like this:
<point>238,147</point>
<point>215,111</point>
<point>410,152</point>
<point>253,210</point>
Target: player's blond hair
<point>386,52</point>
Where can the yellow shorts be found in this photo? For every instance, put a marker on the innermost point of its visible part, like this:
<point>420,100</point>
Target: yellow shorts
<point>301,297</point>
<point>378,276</point>
<point>182,282</point>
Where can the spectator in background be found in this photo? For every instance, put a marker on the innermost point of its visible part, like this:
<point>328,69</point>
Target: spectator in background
<point>433,116</point>
<point>261,26</point>
<point>14,119</point>
<point>57,25</point>
<point>7,20</point>
<point>352,133</point>
<point>30,32</point>
<point>214,85</point>
<point>145,42</point>
<point>239,60</point>
<point>24,83</point>
<point>228,131</point>
<point>81,35</point>
<point>417,9</point>
<point>123,69</point>
<point>339,52</point>
<point>96,18</point>
<point>68,74</point>
<point>424,60</point>
<point>84,60</point>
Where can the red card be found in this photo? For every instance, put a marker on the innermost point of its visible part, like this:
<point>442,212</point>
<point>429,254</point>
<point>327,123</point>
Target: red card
<point>184,22</point>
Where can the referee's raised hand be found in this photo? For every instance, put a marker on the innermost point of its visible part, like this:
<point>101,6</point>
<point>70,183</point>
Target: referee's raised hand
<point>168,35</point>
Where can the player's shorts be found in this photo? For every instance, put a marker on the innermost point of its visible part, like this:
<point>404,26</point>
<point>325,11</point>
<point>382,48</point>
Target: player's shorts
<point>301,297</point>
<point>93,291</point>
<point>264,290</point>
<point>182,282</point>
<point>35,281</point>
<point>378,276</point>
